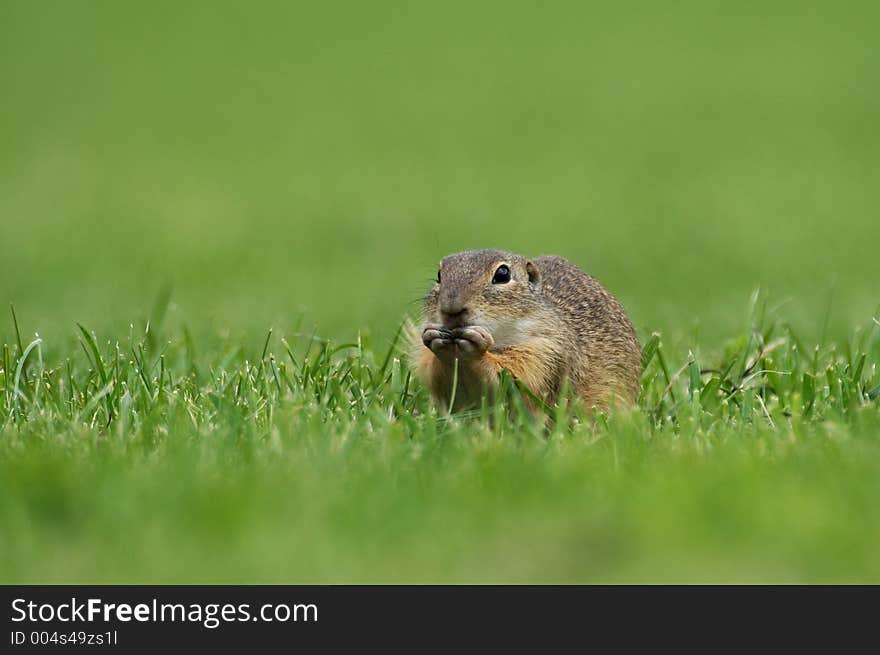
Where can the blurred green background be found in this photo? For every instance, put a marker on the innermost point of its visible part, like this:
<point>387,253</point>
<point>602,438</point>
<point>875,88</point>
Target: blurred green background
<point>283,164</point>
<point>281,160</point>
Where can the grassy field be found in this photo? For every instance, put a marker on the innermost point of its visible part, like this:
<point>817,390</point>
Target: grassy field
<point>181,179</point>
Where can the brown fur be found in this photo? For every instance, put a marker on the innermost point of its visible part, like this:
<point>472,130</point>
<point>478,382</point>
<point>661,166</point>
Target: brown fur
<point>549,323</point>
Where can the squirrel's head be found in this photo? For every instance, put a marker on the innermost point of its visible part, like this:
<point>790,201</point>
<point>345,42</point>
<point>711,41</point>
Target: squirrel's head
<point>492,288</point>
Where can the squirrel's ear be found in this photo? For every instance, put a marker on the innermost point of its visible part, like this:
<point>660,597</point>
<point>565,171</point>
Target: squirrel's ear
<point>534,273</point>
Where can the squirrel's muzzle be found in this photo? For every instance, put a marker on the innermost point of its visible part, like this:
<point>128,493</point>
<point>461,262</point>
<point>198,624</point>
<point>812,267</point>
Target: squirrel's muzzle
<point>452,307</point>
<point>453,321</point>
<point>451,301</point>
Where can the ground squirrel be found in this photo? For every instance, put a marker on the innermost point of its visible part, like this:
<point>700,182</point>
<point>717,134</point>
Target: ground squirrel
<point>542,319</point>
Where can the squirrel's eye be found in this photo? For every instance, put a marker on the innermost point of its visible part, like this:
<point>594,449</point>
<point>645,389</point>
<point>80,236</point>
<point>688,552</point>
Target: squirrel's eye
<point>438,277</point>
<point>502,275</point>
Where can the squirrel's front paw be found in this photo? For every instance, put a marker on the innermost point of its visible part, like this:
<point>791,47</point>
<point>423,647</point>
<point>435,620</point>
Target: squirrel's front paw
<point>465,343</point>
<point>473,340</point>
<point>437,339</point>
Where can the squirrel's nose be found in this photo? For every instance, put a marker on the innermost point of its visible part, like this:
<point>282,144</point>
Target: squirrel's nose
<point>453,321</point>
<point>453,309</point>
<point>451,304</point>
<point>453,318</point>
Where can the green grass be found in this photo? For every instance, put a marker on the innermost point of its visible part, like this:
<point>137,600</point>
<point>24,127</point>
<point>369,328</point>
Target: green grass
<point>301,460</point>
<point>215,169</point>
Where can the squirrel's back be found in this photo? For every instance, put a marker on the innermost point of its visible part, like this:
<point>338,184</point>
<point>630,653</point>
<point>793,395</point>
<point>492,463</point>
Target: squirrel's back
<point>605,356</point>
